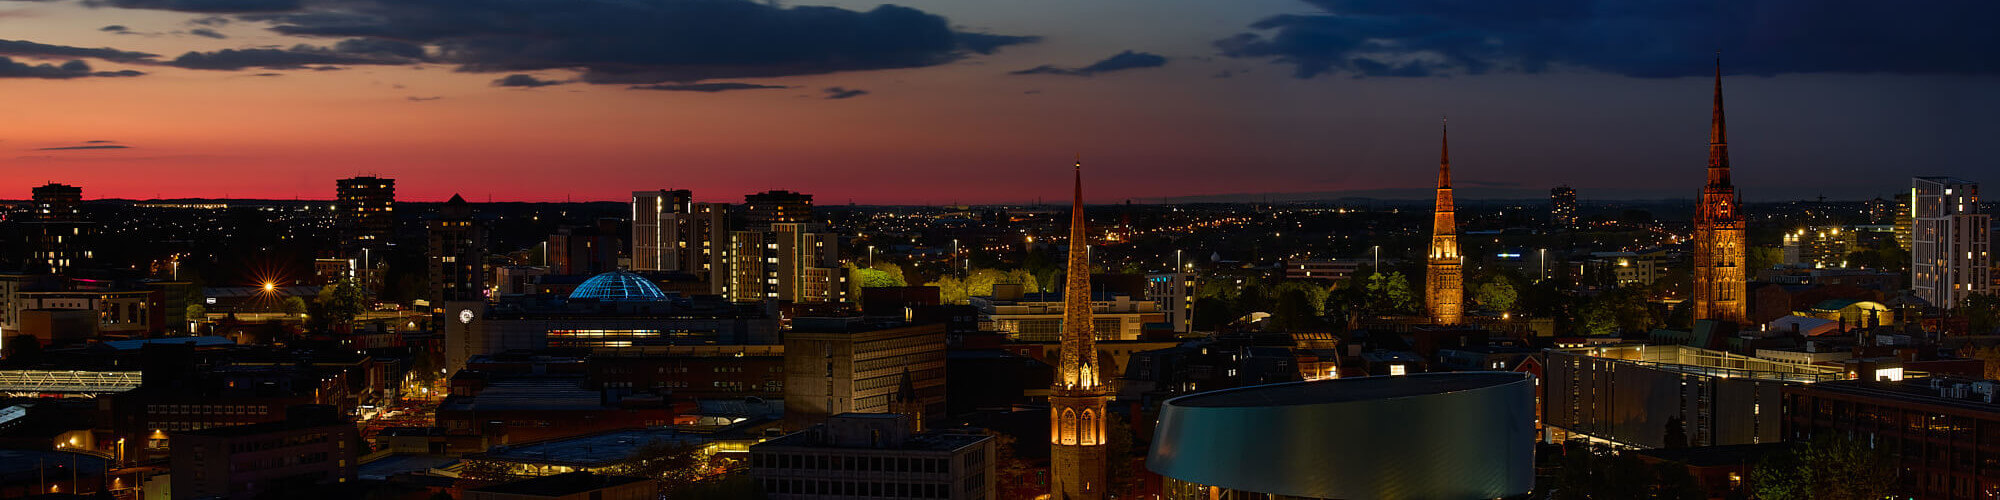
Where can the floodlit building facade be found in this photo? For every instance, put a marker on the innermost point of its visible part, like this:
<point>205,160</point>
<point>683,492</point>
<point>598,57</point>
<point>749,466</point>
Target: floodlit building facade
<point>1950,241</point>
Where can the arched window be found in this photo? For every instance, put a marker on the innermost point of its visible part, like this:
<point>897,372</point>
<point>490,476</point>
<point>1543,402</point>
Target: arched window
<point>1066,427</point>
<point>1089,430</point>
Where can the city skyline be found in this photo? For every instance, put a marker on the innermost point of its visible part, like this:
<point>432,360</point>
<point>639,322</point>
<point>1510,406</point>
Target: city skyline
<point>1183,100</point>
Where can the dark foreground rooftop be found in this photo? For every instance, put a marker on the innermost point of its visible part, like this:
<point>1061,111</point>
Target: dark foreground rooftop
<point>1347,389</point>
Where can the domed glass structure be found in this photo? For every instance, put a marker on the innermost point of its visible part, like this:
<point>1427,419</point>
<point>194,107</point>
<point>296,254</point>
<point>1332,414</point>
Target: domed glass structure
<point>618,286</point>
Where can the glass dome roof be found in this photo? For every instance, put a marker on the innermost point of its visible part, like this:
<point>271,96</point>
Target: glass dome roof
<point>618,286</point>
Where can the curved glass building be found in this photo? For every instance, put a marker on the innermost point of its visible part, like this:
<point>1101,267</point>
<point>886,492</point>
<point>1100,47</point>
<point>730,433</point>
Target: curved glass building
<point>1458,435</point>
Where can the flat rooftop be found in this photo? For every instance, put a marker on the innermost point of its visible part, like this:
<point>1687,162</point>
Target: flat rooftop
<point>923,441</point>
<point>1910,390</point>
<point>560,485</point>
<point>1347,389</point>
<point>606,448</point>
<point>530,393</point>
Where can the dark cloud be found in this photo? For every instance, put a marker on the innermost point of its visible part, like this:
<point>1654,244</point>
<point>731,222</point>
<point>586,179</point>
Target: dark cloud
<point>115,28</point>
<point>525,80</point>
<point>422,99</point>
<point>299,56</point>
<point>645,42</point>
<point>843,93</point>
<point>71,69</point>
<point>985,43</point>
<point>1639,38</point>
<point>218,6</point>
<point>205,32</point>
<point>1122,61</point>
<point>75,148</point>
<point>707,87</point>
<point>210,21</point>
<point>380,47</point>
<point>23,48</point>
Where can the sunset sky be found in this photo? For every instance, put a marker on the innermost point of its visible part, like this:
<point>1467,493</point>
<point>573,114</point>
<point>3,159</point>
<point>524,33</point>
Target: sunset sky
<point>977,101</point>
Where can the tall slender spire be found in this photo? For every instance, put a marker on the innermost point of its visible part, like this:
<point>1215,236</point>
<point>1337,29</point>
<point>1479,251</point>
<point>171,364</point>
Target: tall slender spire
<point>1719,241</point>
<point>1079,460</point>
<point>1443,276</point>
<point>1078,325</point>
<point>1716,134</point>
<point>1444,155</point>
<point>1718,137</point>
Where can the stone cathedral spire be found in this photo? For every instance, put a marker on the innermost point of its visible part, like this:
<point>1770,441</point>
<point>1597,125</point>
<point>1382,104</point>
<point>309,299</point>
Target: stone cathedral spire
<point>1719,242</point>
<point>1444,287</point>
<point>1078,458</point>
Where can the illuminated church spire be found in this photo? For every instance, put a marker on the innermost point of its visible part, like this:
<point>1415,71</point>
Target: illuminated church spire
<point>1078,456</point>
<point>1444,296</point>
<point>1719,242</point>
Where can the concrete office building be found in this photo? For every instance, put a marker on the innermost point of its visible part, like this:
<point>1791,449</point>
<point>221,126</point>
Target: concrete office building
<point>313,445</point>
<point>875,455</point>
<point>845,365</point>
<point>1950,241</point>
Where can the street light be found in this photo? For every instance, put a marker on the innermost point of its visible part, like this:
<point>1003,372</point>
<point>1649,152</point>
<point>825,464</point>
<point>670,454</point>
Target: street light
<point>1378,259</point>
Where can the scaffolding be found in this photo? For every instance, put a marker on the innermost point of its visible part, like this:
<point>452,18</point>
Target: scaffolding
<point>32,383</point>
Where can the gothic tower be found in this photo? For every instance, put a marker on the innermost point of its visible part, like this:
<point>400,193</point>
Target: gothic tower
<point>1077,459</point>
<point>1718,231</point>
<point>1444,290</point>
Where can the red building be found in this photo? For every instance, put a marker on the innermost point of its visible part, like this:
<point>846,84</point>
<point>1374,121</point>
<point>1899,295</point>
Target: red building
<point>1943,432</point>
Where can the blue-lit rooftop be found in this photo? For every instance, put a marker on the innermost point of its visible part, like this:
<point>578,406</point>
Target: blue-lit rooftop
<point>618,286</point>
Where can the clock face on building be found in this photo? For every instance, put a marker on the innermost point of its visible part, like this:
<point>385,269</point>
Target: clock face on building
<point>465,316</point>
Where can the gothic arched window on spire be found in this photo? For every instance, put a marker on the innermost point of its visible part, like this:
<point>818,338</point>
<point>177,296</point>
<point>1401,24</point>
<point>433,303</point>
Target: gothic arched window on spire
<point>1089,430</point>
<point>1066,427</point>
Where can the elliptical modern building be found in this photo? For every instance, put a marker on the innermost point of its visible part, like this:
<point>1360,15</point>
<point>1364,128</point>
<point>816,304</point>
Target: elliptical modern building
<point>1950,241</point>
<point>1431,435</point>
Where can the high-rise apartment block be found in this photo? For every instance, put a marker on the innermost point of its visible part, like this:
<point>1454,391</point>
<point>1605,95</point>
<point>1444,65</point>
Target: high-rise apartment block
<point>788,262</point>
<point>58,237</point>
<point>772,207</point>
<point>365,215</point>
<point>673,233</point>
<point>1562,207</point>
<point>457,254</point>
<point>1950,241</point>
